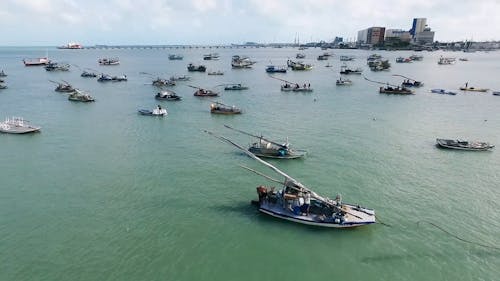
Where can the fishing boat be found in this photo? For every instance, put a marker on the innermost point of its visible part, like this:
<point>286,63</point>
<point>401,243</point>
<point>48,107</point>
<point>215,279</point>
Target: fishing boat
<point>241,62</point>
<point>160,82</point>
<point>416,57</point>
<point>180,78</point>
<point>473,89</point>
<point>108,78</point>
<point>167,95</point>
<point>343,82</point>
<point>235,87</point>
<point>443,92</point>
<point>175,57</point>
<point>463,59</point>
<point>346,58</point>
<point>88,74</point>
<point>297,203</point>
<point>54,66</point>
<point>298,65</point>
<point>80,96</point>
<point>379,65</point>
<point>264,147</point>
<point>446,61</point>
<point>395,90</point>
<point>409,82</point>
<point>287,87</point>
<point>322,57</point>
<point>212,56</point>
<point>403,60</point>
<point>17,125</point>
<point>275,69</point>
<point>496,93</point>
<point>218,72</point>
<point>199,68</point>
<point>220,108</point>
<point>201,92</point>
<point>71,46</point>
<point>109,61</point>
<point>464,145</point>
<point>63,87</point>
<point>344,69</point>
<point>36,61</point>
<point>2,74</point>
<point>300,56</point>
<point>157,111</point>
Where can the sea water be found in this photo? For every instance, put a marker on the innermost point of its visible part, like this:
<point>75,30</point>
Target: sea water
<point>103,193</point>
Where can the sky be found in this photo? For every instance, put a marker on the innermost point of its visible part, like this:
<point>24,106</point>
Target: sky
<point>172,22</point>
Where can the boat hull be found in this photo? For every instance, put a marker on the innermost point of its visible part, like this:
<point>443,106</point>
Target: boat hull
<point>467,146</point>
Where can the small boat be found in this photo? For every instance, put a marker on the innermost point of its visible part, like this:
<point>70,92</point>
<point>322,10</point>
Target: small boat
<point>200,92</point>
<point>54,66</point>
<point>403,60</point>
<point>215,72</point>
<point>3,86</point>
<point>175,57</point>
<point>298,65</point>
<point>80,96</point>
<point>297,203</point>
<point>264,147</point>
<point>241,62</point>
<point>464,145</point>
<point>446,61</point>
<point>443,92</point>
<point>2,74</point>
<point>300,56</point>
<point>160,82</point>
<point>346,58</point>
<point>395,90</point>
<point>158,111</point>
<point>220,108</point>
<point>322,57</point>
<point>36,61</point>
<point>275,69</point>
<point>109,61</point>
<point>63,87</point>
<point>463,59</point>
<point>496,93</point>
<point>411,83</point>
<point>344,69</point>
<point>17,125</point>
<point>416,57</point>
<point>167,95</point>
<point>472,89</point>
<point>294,87</point>
<point>200,68</point>
<point>235,87</point>
<point>88,74</point>
<point>212,56</point>
<point>108,78</point>
<point>180,78</point>
<point>379,65</point>
<point>343,82</point>
<point>71,46</point>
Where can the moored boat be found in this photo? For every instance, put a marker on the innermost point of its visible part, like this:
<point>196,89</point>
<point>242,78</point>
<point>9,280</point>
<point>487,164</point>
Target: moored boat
<point>212,56</point>
<point>54,66</point>
<point>201,92</point>
<point>395,90</point>
<point>344,69</point>
<point>80,96</point>
<point>218,72</point>
<point>464,145</point>
<point>88,74</point>
<point>200,68</point>
<point>63,87</point>
<point>157,111</point>
<point>71,46</point>
<point>275,69</point>
<point>160,82</point>
<point>496,93</point>
<point>473,89</point>
<point>343,82</point>
<point>2,73</point>
<point>175,57</point>
<point>300,56</point>
<point>109,61</point>
<point>36,61</point>
<point>17,125</point>
<point>241,62</point>
<point>443,92</point>
<point>297,203</point>
<point>167,95</point>
<point>220,108</point>
<point>235,87</point>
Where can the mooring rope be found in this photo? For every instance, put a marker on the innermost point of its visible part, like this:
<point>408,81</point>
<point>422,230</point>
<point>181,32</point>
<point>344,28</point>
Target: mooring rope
<point>382,223</point>
<point>457,237</point>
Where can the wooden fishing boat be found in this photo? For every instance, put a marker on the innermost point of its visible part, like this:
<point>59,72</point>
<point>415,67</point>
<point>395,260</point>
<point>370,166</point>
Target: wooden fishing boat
<point>199,68</point>
<point>241,62</point>
<point>235,87</point>
<point>212,56</point>
<point>201,92</point>
<point>80,96</point>
<point>443,92</point>
<point>343,82</point>
<point>175,57</point>
<point>36,61</point>
<point>464,145</point>
<point>297,203</point>
<point>472,89</point>
<point>275,69</point>
<point>17,125</point>
<point>158,111</point>
<point>88,74</point>
<point>395,90</point>
<point>109,61</point>
<point>264,147</point>
<point>54,66</point>
<point>409,82</point>
<point>344,69</point>
<point>167,95</point>
<point>220,108</point>
<point>160,82</point>
<point>63,87</point>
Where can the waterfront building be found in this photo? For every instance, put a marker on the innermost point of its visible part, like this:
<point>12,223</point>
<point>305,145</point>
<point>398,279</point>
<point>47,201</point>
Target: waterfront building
<point>372,36</point>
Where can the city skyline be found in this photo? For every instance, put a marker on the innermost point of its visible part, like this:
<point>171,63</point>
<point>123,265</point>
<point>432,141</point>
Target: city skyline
<point>57,22</point>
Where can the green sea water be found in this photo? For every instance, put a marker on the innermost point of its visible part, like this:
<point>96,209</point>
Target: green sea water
<point>103,193</point>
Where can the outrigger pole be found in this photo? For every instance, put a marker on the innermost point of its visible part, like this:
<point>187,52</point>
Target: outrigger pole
<point>404,77</point>
<point>255,136</point>
<point>382,83</point>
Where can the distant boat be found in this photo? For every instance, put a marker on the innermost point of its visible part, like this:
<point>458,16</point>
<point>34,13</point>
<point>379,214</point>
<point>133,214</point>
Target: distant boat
<point>446,61</point>
<point>464,145</point>
<point>241,62</point>
<point>403,60</point>
<point>220,108</point>
<point>108,78</point>
<point>343,82</point>
<point>80,96</point>
<point>180,78</point>
<point>443,92</point>
<point>212,56</point>
<point>346,58</point>
<point>472,89</point>
<point>36,61</point>
<point>463,59</point>
<point>200,68</point>
<point>201,92</point>
<point>275,69</point>
<point>298,65</point>
<point>109,61</point>
<point>344,69</point>
<point>17,125</point>
<point>160,82</point>
<point>235,87</point>
<point>2,74</point>
<point>54,66</point>
<point>175,57</point>
<point>415,57</point>
<point>63,87</point>
<point>71,45</point>
<point>158,111</point>
<point>323,57</point>
<point>395,90</point>
<point>88,74</point>
<point>300,56</point>
<point>167,95</point>
<point>215,72</point>
<point>496,93</point>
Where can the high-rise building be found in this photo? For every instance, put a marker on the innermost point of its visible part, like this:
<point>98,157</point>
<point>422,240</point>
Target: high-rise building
<point>372,35</point>
<point>424,37</point>
<point>418,26</point>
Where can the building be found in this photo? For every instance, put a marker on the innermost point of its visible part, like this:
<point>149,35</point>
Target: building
<point>397,34</point>
<point>372,36</point>
<point>424,37</point>
<point>418,26</point>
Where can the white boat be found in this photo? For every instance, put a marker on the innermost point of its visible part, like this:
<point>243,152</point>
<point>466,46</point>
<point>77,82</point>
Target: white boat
<point>158,111</point>
<point>71,45</point>
<point>17,125</point>
<point>343,82</point>
<point>446,61</point>
<point>297,203</point>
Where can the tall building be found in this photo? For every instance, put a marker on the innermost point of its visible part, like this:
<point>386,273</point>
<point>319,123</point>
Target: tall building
<point>418,26</point>
<point>424,37</point>
<point>372,35</point>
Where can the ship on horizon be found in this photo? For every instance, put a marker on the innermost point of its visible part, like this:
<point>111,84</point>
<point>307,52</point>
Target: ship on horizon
<point>71,45</point>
